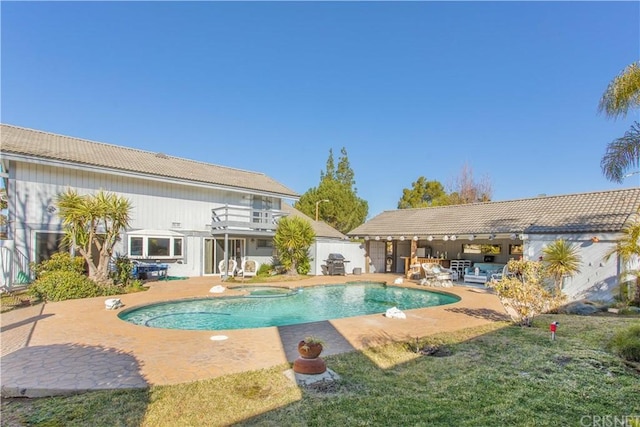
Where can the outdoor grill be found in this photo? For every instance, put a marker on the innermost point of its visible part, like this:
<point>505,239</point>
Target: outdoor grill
<point>335,265</point>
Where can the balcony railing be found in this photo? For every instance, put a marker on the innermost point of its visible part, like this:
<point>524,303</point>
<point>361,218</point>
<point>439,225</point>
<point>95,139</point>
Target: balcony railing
<point>237,219</point>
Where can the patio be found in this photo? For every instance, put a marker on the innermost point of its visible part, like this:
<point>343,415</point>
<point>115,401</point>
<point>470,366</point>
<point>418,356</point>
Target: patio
<point>77,345</point>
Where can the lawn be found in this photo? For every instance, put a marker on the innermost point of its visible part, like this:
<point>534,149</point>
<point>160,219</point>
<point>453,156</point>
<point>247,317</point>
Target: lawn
<point>497,375</point>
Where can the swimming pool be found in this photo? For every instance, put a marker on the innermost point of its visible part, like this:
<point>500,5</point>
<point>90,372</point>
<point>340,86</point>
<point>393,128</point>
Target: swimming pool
<point>303,305</point>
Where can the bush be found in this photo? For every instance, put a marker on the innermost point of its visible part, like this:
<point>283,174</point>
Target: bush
<point>626,343</point>
<point>62,285</point>
<point>123,269</point>
<point>264,270</point>
<point>60,261</point>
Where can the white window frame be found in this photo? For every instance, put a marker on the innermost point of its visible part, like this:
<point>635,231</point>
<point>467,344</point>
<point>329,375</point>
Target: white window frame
<point>145,246</point>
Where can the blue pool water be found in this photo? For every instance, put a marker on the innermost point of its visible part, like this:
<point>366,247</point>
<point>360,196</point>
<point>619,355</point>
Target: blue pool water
<point>262,308</point>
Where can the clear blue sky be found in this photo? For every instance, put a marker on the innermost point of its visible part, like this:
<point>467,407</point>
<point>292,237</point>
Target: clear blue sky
<point>408,88</point>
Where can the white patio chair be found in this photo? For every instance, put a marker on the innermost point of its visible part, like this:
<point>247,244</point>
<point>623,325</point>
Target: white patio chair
<point>249,267</point>
<point>231,267</point>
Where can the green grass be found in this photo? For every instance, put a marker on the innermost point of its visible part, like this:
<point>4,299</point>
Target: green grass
<point>496,375</point>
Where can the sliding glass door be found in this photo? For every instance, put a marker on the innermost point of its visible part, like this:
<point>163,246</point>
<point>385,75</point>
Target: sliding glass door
<point>214,253</point>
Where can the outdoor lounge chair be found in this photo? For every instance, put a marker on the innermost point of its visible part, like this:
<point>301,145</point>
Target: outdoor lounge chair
<point>249,267</point>
<point>231,270</point>
<point>436,275</point>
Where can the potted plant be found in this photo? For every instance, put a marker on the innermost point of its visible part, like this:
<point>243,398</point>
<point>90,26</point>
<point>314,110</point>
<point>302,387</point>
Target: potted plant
<point>310,347</point>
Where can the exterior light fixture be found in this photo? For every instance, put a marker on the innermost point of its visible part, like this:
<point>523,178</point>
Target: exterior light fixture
<point>366,237</point>
<point>389,238</point>
<point>513,236</point>
<point>415,238</point>
<point>445,238</point>
<point>402,238</point>
<point>430,238</point>
<point>453,237</point>
<point>492,236</point>
<point>377,237</point>
<point>471,237</point>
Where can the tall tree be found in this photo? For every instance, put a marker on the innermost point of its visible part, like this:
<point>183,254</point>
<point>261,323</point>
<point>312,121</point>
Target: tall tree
<point>423,194</point>
<point>94,221</point>
<point>466,189</point>
<point>344,210</point>
<point>292,240</point>
<point>621,95</point>
<point>622,154</point>
<point>623,92</point>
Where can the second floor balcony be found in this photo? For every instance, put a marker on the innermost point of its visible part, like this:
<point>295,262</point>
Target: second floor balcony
<point>238,219</point>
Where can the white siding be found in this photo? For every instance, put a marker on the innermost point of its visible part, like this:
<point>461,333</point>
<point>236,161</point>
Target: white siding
<point>155,205</point>
<point>351,251</point>
<point>597,279</point>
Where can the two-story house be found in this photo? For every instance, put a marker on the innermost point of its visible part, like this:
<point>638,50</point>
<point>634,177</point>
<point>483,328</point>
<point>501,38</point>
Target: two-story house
<point>187,214</point>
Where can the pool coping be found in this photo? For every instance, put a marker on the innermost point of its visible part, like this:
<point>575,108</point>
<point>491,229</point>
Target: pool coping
<point>77,345</point>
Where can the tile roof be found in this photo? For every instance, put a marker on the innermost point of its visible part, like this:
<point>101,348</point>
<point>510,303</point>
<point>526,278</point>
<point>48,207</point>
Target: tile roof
<point>48,146</point>
<point>603,211</point>
<point>321,228</point>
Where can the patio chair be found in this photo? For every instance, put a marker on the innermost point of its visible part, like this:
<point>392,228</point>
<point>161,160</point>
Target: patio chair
<point>249,267</point>
<point>436,275</point>
<point>231,267</point>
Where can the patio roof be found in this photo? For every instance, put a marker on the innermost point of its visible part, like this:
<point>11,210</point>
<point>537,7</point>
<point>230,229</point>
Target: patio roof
<point>603,211</point>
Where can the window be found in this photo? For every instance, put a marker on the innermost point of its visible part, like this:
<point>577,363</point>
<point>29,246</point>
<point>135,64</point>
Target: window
<point>264,243</point>
<point>477,248</point>
<point>515,249</point>
<point>48,244</point>
<point>177,247</point>
<point>135,246</point>
<point>155,247</point>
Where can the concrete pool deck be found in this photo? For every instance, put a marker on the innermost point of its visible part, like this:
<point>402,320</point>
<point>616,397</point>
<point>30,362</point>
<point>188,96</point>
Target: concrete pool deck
<point>78,345</point>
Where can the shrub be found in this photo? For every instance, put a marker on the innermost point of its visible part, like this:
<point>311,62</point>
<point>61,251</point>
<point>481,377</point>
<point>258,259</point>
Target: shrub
<point>264,270</point>
<point>63,285</point>
<point>626,343</point>
<point>134,286</point>
<point>60,261</point>
<point>123,268</point>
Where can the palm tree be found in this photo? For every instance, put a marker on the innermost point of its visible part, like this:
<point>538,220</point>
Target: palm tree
<point>94,221</point>
<point>561,259</point>
<point>628,248</point>
<point>622,154</point>
<point>293,238</point>
<point>622,94</point>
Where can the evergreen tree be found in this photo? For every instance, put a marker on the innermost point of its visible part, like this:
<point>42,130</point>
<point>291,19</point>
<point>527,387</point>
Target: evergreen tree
<point>423,194</point>
<point>344,210</point>
<point>432,193</point>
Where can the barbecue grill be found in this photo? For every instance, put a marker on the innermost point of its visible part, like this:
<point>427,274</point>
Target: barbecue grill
<point>335,264</point>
